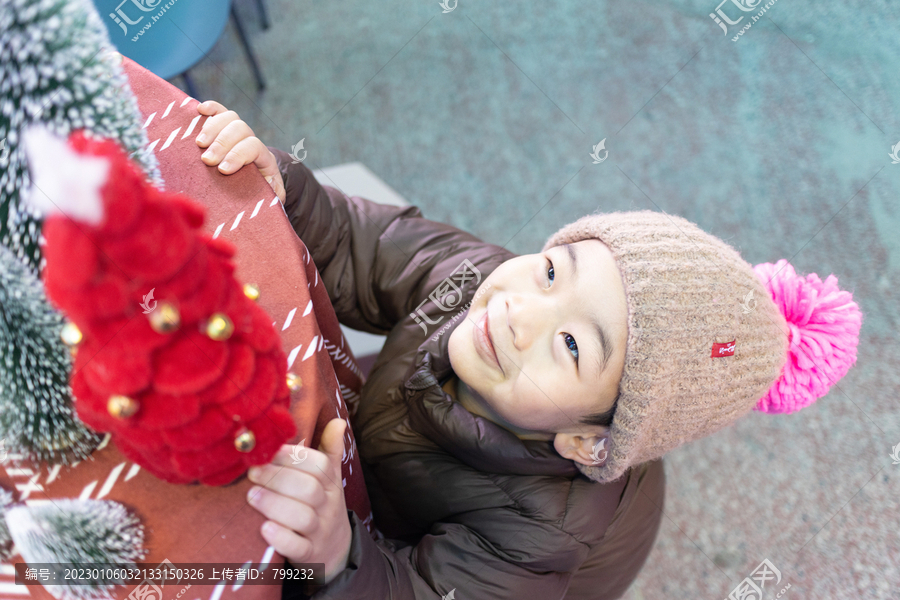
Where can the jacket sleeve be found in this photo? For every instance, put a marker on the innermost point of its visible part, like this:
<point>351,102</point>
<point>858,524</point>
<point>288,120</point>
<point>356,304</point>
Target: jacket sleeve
<point>378,262</point>
<point>454,556</point>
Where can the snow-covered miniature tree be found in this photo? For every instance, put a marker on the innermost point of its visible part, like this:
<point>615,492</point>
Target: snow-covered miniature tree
<point>70,532</point>
<point>57,67</point>
<point>37,416</point>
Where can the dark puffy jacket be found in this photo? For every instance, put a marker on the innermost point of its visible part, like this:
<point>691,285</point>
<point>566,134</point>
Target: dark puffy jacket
<point>463,503</point>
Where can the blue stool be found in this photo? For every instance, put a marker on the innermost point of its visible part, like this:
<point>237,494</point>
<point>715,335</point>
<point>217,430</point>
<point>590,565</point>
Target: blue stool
<point>179,37</point>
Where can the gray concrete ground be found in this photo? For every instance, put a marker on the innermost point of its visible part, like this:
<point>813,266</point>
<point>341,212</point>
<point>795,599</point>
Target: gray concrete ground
<point>778,143</point>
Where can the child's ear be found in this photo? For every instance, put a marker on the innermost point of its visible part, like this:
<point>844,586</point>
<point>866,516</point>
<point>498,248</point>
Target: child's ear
<point>587,447</point>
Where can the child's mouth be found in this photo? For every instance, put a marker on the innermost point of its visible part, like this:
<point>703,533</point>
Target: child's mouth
<point>484,345</point>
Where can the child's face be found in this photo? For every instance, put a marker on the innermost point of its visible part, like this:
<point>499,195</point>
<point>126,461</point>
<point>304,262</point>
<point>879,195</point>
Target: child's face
<point>539,312</point>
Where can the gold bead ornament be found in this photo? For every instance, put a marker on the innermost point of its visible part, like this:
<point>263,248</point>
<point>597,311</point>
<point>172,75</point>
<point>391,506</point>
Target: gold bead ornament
<point>245,441</point>
<point>121,407</point>
<point>251,290</point>
<point>165,319</point>
<point>294,382</point>
<point>219,327</point>
<point>71,335</point>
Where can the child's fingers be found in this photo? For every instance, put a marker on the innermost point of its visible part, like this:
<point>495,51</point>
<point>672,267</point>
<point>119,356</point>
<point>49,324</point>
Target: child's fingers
<point>292,483</point>
<point>214,125</point>
<point>268,167</point>
<point>223,131</point>
<point>242,153</point>
<point>294,515</point>
<point>231,133</point>
<point>318,464</point>
<point>210,107</point>
<point>286,543</point>
<point>332,442</point>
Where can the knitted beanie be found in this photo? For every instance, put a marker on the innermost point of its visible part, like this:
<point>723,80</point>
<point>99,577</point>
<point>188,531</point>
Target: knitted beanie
<point>710,337</point>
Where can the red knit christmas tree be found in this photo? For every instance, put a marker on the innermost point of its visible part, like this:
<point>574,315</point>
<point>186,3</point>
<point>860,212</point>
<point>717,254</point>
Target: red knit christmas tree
<point>176,360</point>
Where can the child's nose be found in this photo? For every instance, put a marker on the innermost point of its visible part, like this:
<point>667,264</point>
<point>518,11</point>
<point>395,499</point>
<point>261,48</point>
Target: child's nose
<point>527,317</point>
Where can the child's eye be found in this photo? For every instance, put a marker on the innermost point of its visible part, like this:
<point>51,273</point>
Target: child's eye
<point>550,273</point>
<point>571,345</point>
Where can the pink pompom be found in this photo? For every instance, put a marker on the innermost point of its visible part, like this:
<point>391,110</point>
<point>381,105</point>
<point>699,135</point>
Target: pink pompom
<point>824,326</point>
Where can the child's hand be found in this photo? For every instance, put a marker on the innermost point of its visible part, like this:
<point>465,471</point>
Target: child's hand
<point>305,503</point>
<point>232,145</point>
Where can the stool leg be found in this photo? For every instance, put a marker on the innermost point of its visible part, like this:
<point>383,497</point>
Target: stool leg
<point>189,82</point>
<point>262,14</point>
<point>246,43</point>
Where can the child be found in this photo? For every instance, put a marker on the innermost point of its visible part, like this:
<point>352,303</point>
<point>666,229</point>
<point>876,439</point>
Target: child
<point>511,426</point>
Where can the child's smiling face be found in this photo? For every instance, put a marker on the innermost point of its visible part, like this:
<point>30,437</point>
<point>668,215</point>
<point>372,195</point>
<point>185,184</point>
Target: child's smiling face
<point>530,347</point>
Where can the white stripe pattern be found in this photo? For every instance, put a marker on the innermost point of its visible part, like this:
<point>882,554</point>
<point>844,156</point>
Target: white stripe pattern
<point>110,480</point>
<point>311,349</point>
<point>240,582</point>
<point>14,590</point>
<point>169,140</point>
<point>267,557</point>
<point>290,317</point>
<point>134,470</point>
<point>13,472</point>
<point>190,128</point>
<point>87,491</point>
<point>256,210</point>
<point>293,356</point>
<point>25,489</point>
<point>217,593</point>
<point>54,472</point>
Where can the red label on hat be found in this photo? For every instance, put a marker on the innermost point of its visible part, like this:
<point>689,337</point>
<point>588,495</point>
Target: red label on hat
<point>723,349</point>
